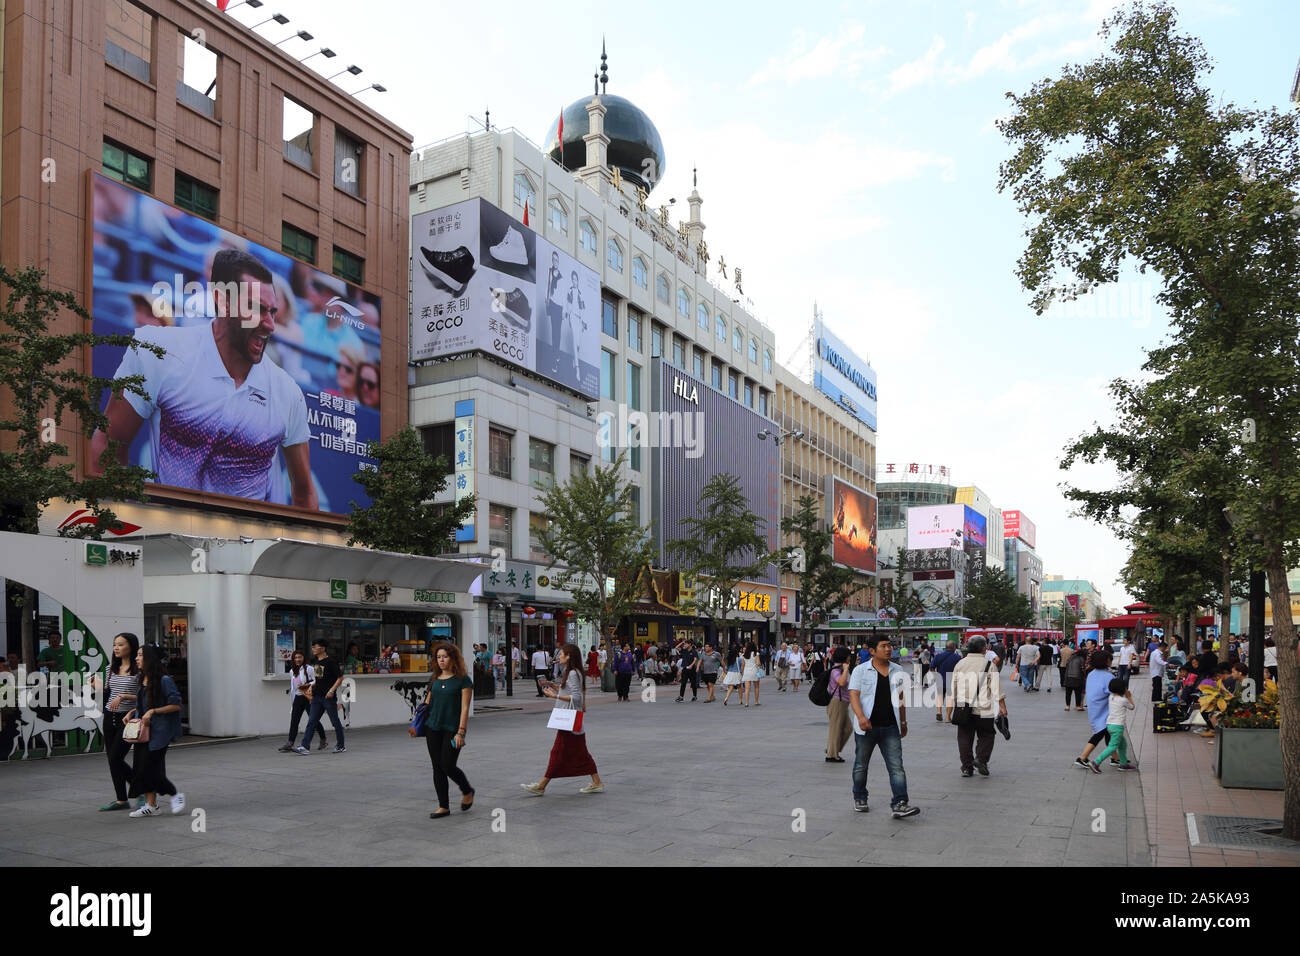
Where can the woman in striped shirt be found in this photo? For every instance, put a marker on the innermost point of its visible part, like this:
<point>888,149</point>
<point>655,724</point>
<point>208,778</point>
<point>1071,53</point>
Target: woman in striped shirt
<point>123,681</point>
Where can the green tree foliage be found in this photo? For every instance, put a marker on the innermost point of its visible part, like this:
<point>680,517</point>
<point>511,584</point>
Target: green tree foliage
<point>1133,160</point>
<point>824,586</point>
<point>593,531</point>
<point>724,543</point>
<point>901,599</point>
<point>402,516</point>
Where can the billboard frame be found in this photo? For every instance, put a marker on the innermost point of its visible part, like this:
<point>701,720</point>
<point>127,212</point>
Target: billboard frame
<point>829,517</point>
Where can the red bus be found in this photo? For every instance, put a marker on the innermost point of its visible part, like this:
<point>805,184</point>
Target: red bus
<point>1011,638</point>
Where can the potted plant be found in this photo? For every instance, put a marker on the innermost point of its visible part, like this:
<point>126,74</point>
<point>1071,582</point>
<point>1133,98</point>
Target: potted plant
<point>1248,750</point>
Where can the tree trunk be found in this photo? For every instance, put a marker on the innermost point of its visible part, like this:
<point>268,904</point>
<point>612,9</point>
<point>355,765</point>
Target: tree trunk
<point>1288,674</point>
<point>30,599</point>
<point>1225,618</point>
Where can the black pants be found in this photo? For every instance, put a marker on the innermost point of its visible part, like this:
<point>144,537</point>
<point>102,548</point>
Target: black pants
<point>149,772</point>
<point>1100,736</point>
<point>443,756</point>
<point>1060,670</point>
<point>694,678</point>
<point>1078,696</point>
<point>1157,689</point>
<point>300,706</point>
<point>622,684</point>
<point>979,732</point>
<point>115,748</point>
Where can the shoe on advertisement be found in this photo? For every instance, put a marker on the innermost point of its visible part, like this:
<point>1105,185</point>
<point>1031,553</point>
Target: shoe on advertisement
<point>178,803</point>
<point>905,810</point>
<point>449,270</point>
<point>511,249</point>
<point>513,307</point>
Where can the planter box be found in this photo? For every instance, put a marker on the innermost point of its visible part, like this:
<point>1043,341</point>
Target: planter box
<point>1248,757</point>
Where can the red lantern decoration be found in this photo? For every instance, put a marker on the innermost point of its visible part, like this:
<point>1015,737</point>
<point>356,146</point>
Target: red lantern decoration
<point>530,610</point>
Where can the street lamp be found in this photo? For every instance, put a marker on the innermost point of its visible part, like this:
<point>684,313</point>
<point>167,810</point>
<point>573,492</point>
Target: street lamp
<point>279,18</point>
<point>779,437</point>
<point>505,600</point>
<point>323,51</point>
<point>353,69</point>
<point>378,88</point>
<point>301,35</point>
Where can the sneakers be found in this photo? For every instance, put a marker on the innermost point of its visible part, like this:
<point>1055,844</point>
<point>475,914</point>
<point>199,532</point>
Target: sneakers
<point>982,767</point>
<point>680,699</point>
<point>536,788</point>
<point>861,806</point>
<point>115,806</point>
<point>1126,766</point>
<point>1081,763</point>
<point>1094,767</point>
<point>300,749</point>
<point>286,748</point>
<point>145,811</point>
<point>178,803</point>
<point>593,788</point>
<point>340,750</point>
<point>905,810</point>
<point>513,307</point>
<point>511,249</point>
<point>968,773</point>
<point>450,271</point>
<point>324,742</point>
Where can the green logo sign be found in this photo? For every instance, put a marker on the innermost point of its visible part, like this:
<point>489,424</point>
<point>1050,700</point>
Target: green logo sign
<point>435,597</point>
<point>96,553</point>
<point>338,589</point>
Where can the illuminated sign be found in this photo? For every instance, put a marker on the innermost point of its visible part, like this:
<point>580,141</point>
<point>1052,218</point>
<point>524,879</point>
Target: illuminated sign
<point>844,377</point>
<point>754,601</point>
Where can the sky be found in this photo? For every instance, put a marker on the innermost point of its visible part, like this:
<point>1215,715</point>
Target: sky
<point>847,156</point>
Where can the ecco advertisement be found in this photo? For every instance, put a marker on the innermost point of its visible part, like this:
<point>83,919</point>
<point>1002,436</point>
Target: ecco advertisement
<point>482,281</point>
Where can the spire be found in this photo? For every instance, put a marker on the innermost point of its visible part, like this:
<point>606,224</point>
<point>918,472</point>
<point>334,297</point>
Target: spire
<point>604,66</point>
<point>695,177</point>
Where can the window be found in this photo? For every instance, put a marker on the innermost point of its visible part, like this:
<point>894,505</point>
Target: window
<point>128,38</point>
<point>683,303</point>
<point>197,87</point>
<point>717,375</point>
<point>749,394</point>
<point>662,290</point>
<point>722,330</point>
<point>541,463</point>
<point>634,499</point>
<point>440,441</point>
<point>609,317</point>
<point>633,387</point>
<point>348,155</point>
<point>762,402</point>
<point>559,217</point>
<point>499,458</point>
<point>753,349</point>
<point>733,385</point>
<point>607,382</point>
<point>500,527</point>
<point>679,351</point>
<point>299,134</point>
<point>634,330</point>
<point>656,340</point>
<point>127,167</point>
<point>577,465</point>
<point>737,339</point>
<point>587,236</point>
<point>614,255</point>
<point>536,524</point>
<point>640,274</point>
<point>297,243</point>
<point>697,364</point>
<point>767,360</point>
<point>525,194</point>
<point>193,196</point>
<point>702,316</point>
<point>607,452</point>
<point>349,267</point>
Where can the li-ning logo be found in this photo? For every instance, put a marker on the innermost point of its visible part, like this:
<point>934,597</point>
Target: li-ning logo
<point>344,311</point>
<point>76,909</point>
<point>841,365</point>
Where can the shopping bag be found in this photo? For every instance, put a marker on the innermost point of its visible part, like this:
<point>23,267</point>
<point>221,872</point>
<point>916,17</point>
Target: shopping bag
<point>564,719</point>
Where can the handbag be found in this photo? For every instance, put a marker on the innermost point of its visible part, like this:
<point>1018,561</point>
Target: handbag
<point>417,723</point>
<point>565,718</point>
<point>136,731</point>
<point>964,714</point>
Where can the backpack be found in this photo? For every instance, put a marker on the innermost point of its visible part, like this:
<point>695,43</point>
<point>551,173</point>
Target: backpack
<point>820,692</point>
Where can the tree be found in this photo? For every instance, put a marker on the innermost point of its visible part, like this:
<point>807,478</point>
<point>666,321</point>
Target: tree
<point>1128,159</point>
<point>902,600</point>
<point>39,371</point>
<point>824,586</point>
<point>993,601</point>
<point>592,530</point>
<point>402,516</point>
<point>725,543</point>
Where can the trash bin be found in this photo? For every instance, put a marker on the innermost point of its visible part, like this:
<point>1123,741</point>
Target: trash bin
<point>607,679</point>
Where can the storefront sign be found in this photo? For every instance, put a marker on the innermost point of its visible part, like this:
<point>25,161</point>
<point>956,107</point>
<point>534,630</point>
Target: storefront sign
<point>754,601</point>
<point>435,597</point>
<point>101,555</point>
<point>96,553</point>
<point>338,589</point>
<point>464,474</point>
<point>376,592</point>
<point>785,605</point>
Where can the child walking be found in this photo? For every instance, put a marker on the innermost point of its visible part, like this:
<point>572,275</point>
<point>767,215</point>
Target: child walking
<point>1121,702</point>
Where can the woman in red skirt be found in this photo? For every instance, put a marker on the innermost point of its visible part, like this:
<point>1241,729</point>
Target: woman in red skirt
<point>569,757</point>
<point>593,663</point>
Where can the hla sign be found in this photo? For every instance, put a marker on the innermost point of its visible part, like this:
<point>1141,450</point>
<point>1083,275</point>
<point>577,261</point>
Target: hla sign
<point>686,390</point>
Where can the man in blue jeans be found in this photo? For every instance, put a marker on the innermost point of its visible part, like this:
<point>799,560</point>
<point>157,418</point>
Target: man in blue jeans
<point>323,700</point>
<point>877,687</point>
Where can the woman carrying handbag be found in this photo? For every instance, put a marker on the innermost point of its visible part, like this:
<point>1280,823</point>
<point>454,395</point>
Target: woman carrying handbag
<point>158,704</point>
<point>122,681</point>
<point>569,756</point>
<point>446,712</point>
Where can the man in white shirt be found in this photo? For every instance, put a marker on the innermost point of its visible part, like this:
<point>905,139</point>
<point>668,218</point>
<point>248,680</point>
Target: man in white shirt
<point>1126,655</point>
<point>541,664</point>
<point>1027,659</point>
<point>976,681</point>
<point>782,666</point>
<point>514,660</point>
<point>1156,661</point>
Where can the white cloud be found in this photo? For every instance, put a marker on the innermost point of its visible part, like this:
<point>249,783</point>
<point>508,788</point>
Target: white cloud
<point>843,53</point>
<point>920,71</point>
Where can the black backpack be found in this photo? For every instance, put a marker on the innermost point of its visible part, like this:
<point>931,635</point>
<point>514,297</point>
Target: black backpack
<point>820,692</point>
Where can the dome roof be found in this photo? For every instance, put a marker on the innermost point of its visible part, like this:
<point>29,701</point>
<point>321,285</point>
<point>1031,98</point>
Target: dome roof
<point>635,148</point>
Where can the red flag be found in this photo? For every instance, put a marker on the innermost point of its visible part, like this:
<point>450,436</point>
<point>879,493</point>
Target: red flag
<point>560,138</point>
<point>222,4</point>
<point>525,211</point>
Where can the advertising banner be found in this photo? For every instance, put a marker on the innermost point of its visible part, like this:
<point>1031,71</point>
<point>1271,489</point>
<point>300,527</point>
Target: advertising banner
<point>464,449</point>
<point>853,525</point>
<point>935,526</point>
<point>844,378</point>
<point>482,281</point>
<point>974,528</point>
<point>1016,525</point>
<point>270,386</point>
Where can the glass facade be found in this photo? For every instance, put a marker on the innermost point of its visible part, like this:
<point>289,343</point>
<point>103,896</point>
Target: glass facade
<point>897,497</point>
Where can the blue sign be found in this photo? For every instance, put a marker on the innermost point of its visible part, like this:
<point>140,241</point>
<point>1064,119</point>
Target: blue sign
<point>844,377</point>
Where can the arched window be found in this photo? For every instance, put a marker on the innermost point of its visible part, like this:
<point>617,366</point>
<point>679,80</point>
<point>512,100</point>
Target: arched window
<point>640,274</point>
<point>722,329</point>
<point>662,289</point>
<point>683,303</point>
<point>737,339</point>
<point>614,255</point>
<point>753,349</point>
<point>702,316</point>
<point>587,236</point>
<point>767,360</point>
<point>525,193</point>
<point>559,217</point>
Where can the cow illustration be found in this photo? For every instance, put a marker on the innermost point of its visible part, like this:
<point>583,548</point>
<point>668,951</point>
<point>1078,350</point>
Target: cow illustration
<point>42,722</point>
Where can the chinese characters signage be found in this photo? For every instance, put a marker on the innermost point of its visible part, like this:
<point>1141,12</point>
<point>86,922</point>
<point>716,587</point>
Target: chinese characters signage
<point>914,471</point>
<point>464,465</point>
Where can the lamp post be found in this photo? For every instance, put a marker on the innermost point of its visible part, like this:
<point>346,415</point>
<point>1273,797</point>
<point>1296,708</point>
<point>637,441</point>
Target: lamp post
<point>779,437</point>
<point>506,600</point>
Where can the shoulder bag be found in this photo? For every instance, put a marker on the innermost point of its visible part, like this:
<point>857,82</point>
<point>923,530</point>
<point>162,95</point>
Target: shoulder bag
<point>964,714</point>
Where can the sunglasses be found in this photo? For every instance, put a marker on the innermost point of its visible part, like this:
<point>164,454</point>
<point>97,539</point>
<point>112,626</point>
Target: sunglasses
<point>350,369</point>
<point>369,383</point>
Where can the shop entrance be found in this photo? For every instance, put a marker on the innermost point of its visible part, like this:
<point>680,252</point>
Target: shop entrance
<point>169,628</point>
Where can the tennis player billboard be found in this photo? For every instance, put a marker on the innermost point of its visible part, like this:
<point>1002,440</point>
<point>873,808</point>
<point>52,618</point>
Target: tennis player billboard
<point>270,383</point>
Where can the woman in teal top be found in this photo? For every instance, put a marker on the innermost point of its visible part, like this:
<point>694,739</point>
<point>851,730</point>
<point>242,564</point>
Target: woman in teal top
<point>448,699</point>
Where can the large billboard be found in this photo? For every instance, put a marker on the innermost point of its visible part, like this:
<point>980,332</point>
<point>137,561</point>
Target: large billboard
<point>483,281</point>
<point>945,526</point>
<point>844,377</point>
<point>852,516</point>
<point>269,388</point>
<point>1016,525</point>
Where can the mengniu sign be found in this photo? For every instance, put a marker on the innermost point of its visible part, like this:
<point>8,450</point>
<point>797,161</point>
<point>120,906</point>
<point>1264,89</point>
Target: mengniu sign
<point>338,589</point>
<point>96,554</point>
<point>436,597</point>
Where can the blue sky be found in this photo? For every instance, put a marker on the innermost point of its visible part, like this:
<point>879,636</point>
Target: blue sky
<point>846,155</point>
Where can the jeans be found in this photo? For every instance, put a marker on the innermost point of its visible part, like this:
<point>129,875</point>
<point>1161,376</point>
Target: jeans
<point>320,704</point>
<point>1123,673</point>
<point>982,734</point>
<point>1027,675</point>
<point>116,748</point>
<point>1116,744</point>
<point>301,705</point>
<point>891,748</point>
<point>694,678</point>
<point>443,756</point>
